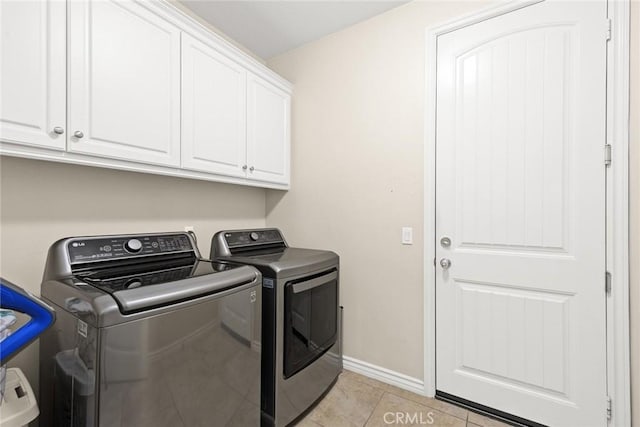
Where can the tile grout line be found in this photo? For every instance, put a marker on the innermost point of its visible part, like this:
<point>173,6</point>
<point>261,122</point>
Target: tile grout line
<point>355,377</point>
<point>374,408</point>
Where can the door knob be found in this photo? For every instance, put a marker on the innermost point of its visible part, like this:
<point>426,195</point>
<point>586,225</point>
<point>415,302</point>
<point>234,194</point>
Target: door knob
<point>445,242</point>
<point>445,263</point>
<point>58,130</point>
<point>78,134</point>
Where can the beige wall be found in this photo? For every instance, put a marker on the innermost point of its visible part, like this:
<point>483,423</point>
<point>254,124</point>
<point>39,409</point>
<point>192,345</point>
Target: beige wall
<point>42,202</point>
<point>357,166</point>
<point>358,175</point>
<point>635,212</point>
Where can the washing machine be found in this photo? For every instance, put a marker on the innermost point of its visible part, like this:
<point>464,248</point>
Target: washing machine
<point>148,334</point>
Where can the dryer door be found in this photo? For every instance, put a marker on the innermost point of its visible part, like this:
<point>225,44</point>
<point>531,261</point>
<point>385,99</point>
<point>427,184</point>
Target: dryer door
<point>310,321</point>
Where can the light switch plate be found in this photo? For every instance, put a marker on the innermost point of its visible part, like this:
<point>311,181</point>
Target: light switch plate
<point>407,236</point>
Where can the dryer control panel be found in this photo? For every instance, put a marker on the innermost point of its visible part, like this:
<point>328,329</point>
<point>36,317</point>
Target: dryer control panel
<point>229,242</point>
<point>115,247</point>
<point>235,239</point>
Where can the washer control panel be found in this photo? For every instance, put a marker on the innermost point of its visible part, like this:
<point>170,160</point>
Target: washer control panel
<point>243,238</point>
<point>115,247</point>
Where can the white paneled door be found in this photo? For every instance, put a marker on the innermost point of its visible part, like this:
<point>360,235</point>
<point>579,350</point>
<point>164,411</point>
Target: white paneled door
<point>124,82</point>
<point>520,213</point>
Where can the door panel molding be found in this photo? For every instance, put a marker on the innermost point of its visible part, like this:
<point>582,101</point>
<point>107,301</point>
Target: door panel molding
<point>618,346</point>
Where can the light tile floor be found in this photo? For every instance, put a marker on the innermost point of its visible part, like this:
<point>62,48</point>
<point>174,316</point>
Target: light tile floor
<point>357,401</point>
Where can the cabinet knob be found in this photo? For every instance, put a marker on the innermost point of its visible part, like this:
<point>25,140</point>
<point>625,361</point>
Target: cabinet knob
<point>251,169</point>
<point>58,130</point>
<point>244,167</point>
<point>78,134</point>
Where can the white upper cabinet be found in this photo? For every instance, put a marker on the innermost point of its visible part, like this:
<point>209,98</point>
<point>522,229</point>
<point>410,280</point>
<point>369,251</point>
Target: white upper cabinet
<point>33,88</point>
<point>213,110</point>
<point>268,127</point>
<point>124,82</point>
<point>139,86</point>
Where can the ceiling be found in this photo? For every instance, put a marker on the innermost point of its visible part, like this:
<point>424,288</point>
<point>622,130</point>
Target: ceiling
<point>268,28</point>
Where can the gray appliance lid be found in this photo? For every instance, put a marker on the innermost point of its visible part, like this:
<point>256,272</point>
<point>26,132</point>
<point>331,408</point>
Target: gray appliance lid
<point>267,250</point>
<point>101,309</point>
<point>150,285</point>
<point>286,262</point>
<point>148,297</point>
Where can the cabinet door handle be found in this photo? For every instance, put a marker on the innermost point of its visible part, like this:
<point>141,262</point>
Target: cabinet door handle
<point>251,169</point>
<point>244,167</point>
<point>58,130</point>
<point>78,134</point>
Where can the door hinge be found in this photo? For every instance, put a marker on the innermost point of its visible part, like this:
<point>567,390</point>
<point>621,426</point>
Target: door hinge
<point>608,27</point>
<point>607,154</point>
<point>608,407</point>
<point>607,282</point>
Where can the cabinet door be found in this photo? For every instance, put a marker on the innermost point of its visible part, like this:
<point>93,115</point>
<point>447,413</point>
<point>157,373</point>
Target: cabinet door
<point>32,42</point>
<point>268,118</point>
<point>124,82</point>
<point>213,110</point>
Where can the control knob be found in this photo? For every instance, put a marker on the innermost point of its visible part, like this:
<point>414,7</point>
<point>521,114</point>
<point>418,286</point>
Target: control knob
<point>254,236</point>
<point>133,283</point>
<point>133,246</point>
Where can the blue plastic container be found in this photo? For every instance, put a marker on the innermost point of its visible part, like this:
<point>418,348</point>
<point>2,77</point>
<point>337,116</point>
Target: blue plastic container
<point>42,317</point>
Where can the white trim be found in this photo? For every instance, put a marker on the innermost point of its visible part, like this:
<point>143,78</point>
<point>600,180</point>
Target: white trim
<point>430,217</point>
<point>618,346</point>
<point>384,375</point>
<point>10,149</point>
<point>480,15</point>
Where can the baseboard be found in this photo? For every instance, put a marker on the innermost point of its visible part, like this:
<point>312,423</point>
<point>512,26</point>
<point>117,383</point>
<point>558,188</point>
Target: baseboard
<point>384,375</point>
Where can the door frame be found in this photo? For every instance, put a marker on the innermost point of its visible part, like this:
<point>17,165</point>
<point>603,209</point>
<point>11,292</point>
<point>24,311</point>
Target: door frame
<point>617,224</point>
